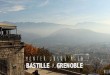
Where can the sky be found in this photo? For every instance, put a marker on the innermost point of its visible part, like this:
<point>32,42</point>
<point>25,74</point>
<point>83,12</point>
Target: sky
<point>68,12</point>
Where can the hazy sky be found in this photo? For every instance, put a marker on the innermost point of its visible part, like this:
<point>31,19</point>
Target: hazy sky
<point>55,11</point>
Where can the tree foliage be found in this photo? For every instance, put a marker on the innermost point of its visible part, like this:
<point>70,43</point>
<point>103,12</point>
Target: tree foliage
<point>31,51</point>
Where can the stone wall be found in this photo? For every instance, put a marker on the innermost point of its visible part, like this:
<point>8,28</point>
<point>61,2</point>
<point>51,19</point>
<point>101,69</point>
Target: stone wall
<point>15,60</point>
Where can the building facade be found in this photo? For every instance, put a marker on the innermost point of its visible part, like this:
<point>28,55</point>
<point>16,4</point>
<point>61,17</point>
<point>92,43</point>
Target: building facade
<point>11,51</point>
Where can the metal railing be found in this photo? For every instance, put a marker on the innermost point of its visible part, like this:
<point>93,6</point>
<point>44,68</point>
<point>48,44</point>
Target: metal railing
<point>10,37</point>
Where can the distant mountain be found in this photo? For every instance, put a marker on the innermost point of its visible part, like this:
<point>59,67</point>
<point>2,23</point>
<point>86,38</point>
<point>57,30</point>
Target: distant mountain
<point>73,37</point>
<point>31,30</point>
<point>28,37</point>
<point>98,27</point>
<point>50,34</point>
<point>40,28</point>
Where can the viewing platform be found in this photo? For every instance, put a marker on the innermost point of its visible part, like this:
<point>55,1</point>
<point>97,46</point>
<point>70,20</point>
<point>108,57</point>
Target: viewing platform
<point>8,32</point>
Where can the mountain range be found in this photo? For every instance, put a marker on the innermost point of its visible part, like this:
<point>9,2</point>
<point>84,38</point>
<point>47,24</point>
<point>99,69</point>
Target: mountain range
<point>50,34</point>
<point>72,37</point>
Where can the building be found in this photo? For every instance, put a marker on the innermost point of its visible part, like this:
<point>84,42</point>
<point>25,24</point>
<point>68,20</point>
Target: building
<point>11,51</point>
<point>82,57</point>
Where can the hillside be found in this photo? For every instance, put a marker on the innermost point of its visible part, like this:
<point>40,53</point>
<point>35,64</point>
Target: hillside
<point>74,37</point>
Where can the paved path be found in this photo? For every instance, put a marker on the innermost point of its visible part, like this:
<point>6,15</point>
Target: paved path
<point>44,72</point>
